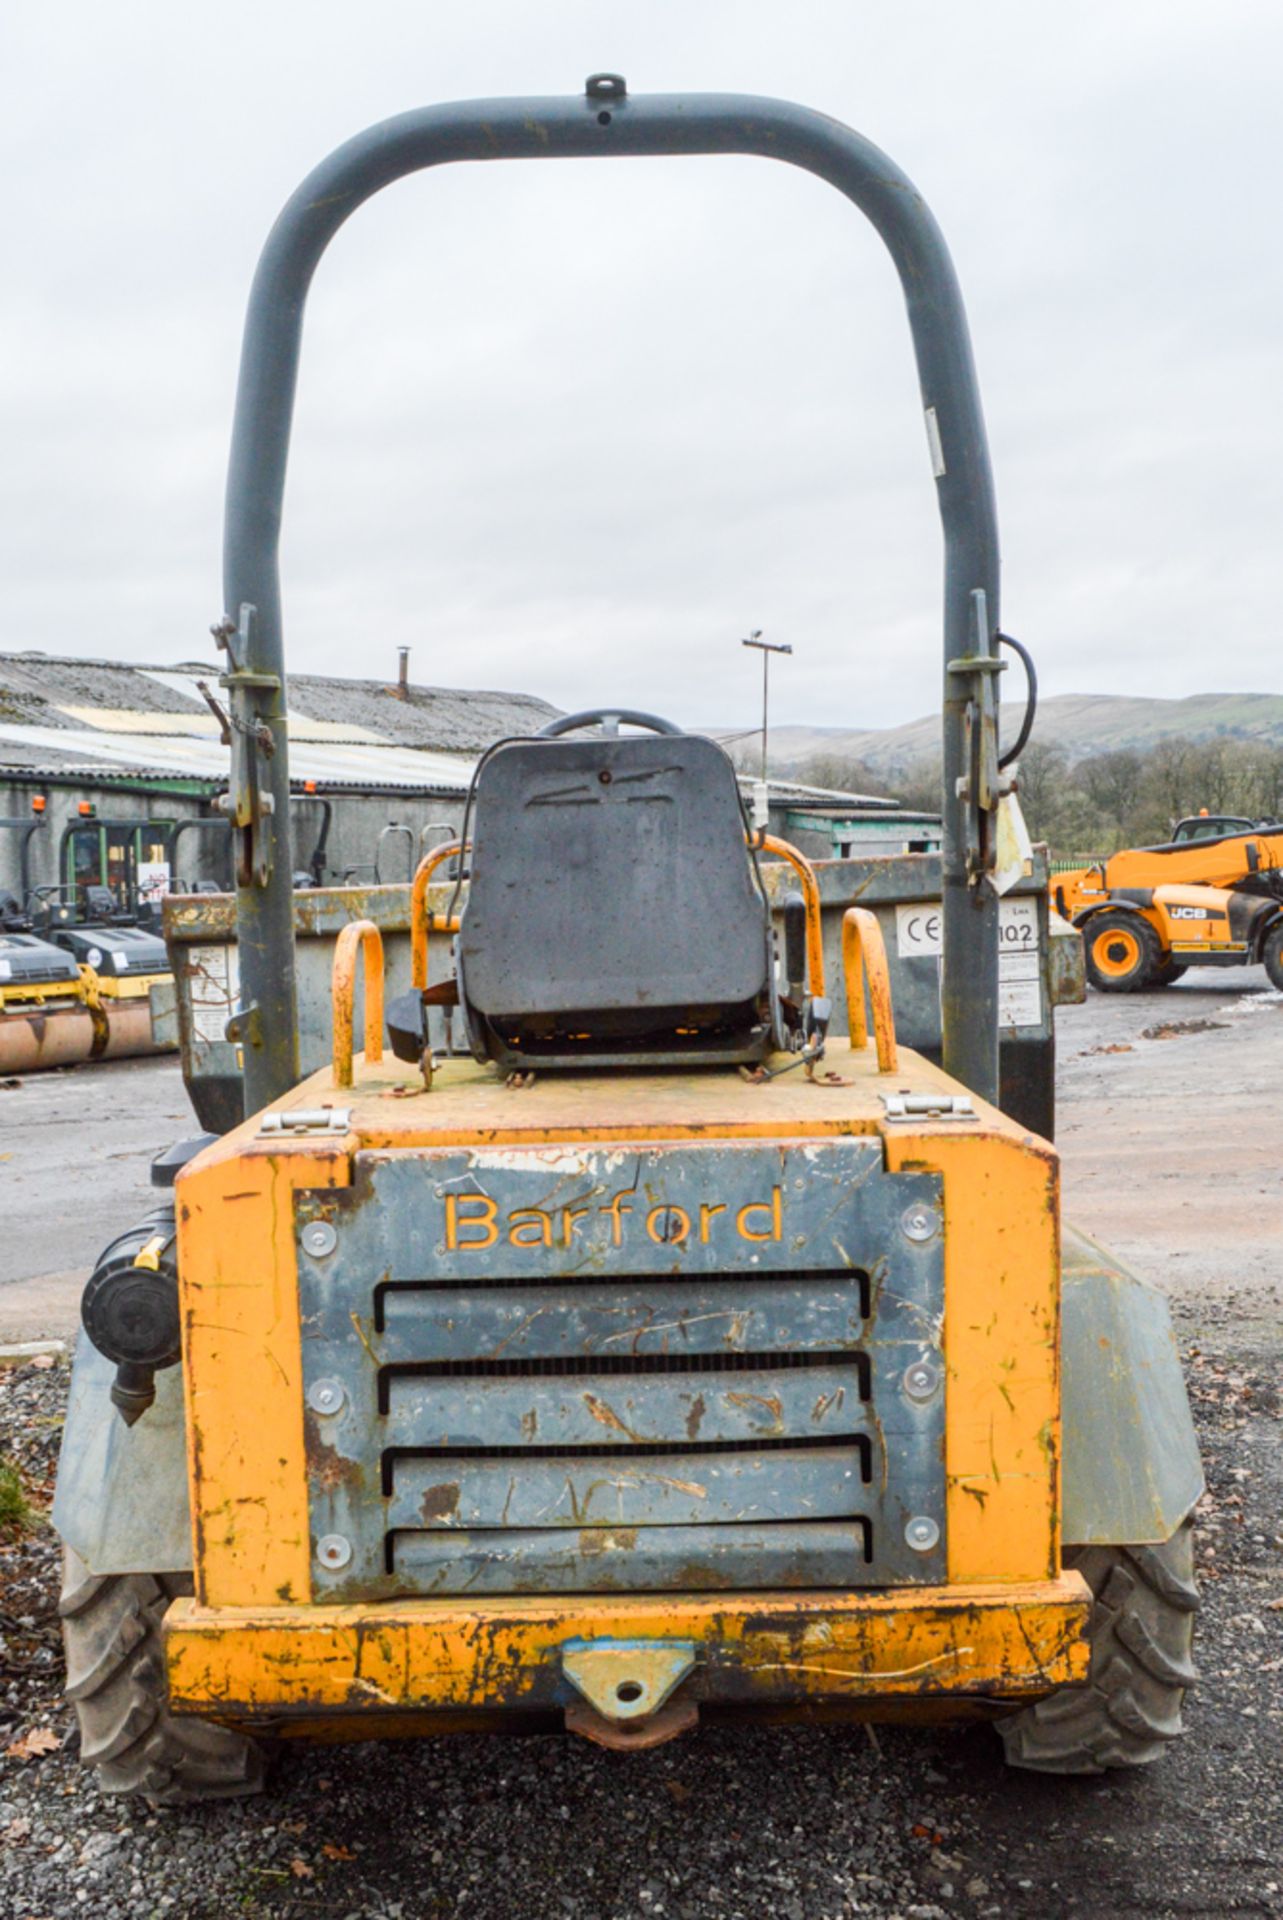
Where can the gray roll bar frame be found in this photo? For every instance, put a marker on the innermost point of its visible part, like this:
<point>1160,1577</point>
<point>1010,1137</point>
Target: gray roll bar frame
<point>604,122</point>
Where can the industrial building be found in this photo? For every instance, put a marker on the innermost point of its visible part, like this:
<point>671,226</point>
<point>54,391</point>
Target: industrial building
<point>110,775</point>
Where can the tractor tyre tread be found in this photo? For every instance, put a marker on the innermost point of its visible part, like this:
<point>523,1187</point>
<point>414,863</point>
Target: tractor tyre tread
<point>111,1628</point>
<point>1141,1632</point>
<point>1272,955</point>
<point>1151,962</point>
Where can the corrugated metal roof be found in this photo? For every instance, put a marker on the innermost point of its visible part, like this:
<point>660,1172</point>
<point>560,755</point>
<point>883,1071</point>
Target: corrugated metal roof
<point>107,719</point>
<point>818,799</point>
<point>69,716</point>
<point>53,691</point>
<point>189,757</point>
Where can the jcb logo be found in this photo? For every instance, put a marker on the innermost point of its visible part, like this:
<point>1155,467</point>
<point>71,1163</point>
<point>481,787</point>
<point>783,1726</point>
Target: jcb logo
<point>1188,913</point>
<point>473,1222</point>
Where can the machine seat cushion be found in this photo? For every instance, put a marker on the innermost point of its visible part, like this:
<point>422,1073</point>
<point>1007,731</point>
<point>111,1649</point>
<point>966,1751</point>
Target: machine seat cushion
<point>610,874</point>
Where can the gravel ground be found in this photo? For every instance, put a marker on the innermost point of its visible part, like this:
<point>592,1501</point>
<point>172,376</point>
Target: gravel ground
<point>795,1824</point>
<point>893,1823</point>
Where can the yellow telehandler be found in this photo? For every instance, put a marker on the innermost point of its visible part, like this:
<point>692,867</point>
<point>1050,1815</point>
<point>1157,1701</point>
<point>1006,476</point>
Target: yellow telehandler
<point>1205,900</point>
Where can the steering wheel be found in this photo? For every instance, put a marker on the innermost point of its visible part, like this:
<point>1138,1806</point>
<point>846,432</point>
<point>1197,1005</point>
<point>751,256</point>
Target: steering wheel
<point>609,718</point>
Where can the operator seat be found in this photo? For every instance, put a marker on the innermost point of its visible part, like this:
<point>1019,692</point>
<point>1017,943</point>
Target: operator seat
<point>614,914</point>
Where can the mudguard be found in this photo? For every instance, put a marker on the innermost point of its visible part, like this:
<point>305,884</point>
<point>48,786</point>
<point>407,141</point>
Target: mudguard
<point>1124,900</point>
<point>1130,1462</point>
<point>121,1499</point>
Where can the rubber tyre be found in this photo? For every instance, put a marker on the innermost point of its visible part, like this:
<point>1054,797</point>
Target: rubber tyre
<point>1132,933</point>
<point>116,1682</point>
<point>1168,975</point>
<point>1272,955</point>
<point>1141,1633</point>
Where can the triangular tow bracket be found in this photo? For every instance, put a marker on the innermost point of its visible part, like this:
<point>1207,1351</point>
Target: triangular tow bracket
<point>626,1681</point>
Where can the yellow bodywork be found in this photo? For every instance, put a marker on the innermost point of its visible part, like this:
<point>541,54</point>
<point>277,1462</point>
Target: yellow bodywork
<point>1006,1640</point>
<point>106,986</point>
<point>1186,894</point>
<point>1223,863</point>
<point>1008,1624</point>
<point>23,994</point>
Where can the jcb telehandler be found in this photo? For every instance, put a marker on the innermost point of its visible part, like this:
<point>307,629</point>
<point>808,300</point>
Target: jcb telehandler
<point>1150,912</point>
<point>659,1356</point>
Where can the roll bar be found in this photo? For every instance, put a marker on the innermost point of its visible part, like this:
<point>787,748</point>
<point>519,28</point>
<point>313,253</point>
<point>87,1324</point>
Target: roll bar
<point>605,122</point>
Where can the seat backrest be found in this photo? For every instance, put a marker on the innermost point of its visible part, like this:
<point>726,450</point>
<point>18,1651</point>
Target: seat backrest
<point>100,903</point>
<point>611,874</point>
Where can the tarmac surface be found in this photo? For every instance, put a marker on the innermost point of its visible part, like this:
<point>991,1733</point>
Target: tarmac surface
<point>76,1145</point>
<point>1170,1112</point>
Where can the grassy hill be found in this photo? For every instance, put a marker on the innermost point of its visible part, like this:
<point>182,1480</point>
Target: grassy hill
<point>1083,723</point>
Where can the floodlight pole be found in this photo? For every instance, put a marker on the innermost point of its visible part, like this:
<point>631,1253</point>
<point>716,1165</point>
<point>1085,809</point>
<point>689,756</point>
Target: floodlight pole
<point>766,649</point>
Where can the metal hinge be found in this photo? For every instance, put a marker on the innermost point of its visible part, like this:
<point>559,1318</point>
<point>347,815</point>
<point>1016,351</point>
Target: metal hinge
<point>309,1120</point>
<point>253,700</point>
<point>983,783</point>
<point>929,1106</point>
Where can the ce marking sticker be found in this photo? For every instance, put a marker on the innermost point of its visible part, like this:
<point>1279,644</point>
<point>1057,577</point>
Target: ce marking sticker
<point>918,932</point>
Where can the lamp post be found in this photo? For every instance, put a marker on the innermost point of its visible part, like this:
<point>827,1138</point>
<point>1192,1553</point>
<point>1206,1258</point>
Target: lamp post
<point>766,649</point>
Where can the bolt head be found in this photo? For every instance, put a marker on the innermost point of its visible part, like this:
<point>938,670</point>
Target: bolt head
<point>333,1551</point>
<point>919,1222</point>
<point>922,1533</point>
<point>325,1396</point>
<point>319,1238</point>
<point>921,1379</point>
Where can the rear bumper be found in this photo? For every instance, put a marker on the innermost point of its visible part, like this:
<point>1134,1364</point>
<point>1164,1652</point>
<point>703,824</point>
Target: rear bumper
<point>752,1649</point>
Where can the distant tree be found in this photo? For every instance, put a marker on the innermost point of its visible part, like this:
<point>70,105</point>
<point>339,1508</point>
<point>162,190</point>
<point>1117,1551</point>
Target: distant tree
<point>744,757</point>
<point>1112,783</point>
<point>1167,783</point>
<point>1266,764</point>
<point>1077,830</point>
<point>917,784</point>
<point>844,773</point>
<point>1043,777</point>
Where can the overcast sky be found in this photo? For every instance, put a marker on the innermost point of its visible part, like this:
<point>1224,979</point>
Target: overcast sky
<point>574,429</point>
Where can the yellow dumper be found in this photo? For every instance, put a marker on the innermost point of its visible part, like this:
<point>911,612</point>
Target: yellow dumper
<point>650,1352</point>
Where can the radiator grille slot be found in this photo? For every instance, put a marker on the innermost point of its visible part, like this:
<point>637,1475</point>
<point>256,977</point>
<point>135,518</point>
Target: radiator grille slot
<point>664,1418</point>
<point>389,1293</point>
<point>619,1366</point>
<point>860,1445</point>
<point>707,1559</point>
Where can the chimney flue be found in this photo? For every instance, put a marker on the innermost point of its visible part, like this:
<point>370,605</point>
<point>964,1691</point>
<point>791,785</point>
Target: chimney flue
<point>403,675</point>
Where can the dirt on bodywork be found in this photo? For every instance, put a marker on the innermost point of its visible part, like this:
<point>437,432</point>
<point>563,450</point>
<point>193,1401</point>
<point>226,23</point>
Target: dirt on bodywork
<point>1170,1157</point>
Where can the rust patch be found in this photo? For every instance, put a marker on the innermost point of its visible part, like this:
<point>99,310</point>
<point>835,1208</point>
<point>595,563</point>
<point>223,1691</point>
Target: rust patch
<point>694,1418</point>
<point>594,1541</point>
<point>676,1717</point>
<point>770,1403</point>
<point>606,1416</point>
<point>326,1466</point>
<point>439,1503</point>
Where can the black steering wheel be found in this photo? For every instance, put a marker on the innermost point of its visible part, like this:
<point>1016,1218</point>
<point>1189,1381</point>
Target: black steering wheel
<point>609,719</point>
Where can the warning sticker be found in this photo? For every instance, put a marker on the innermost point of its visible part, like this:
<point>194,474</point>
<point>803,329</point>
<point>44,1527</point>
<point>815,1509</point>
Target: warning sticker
<point>213,982</point>
<point>919,933</point>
